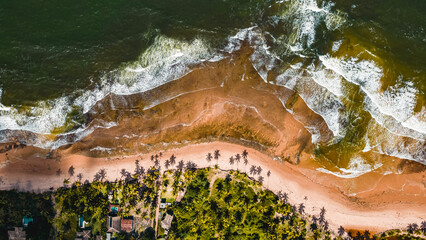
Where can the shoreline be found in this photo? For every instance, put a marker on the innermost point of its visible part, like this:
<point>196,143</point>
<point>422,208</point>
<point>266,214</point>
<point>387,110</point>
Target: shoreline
<point>375,211</point>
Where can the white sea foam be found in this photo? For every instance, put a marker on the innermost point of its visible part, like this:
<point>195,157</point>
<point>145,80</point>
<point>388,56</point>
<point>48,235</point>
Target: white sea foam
<point>166,60</point>
<point>357,167</point>
<point>397,101</point>
<point>306,16</point>
<point>318,98</point>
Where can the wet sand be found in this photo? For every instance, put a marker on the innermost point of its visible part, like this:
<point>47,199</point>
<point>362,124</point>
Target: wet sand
<point>225,105</point>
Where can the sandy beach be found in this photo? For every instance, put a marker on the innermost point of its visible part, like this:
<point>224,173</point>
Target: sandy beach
<point>381,209</point>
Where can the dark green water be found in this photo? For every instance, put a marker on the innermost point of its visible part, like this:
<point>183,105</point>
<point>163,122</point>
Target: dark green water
<point>50,48</point>
<point>54,52</point>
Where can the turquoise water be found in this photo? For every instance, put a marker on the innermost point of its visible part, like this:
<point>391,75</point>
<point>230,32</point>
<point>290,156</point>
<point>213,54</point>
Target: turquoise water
<point>359,64</point>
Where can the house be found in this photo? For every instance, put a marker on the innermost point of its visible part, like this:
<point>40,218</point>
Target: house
<point>81,222</point>
<point>113,208</point>
<point>99,237</point>
<point>167,223</point>
<point>110,195</point>
<point>113,224</point>
<point>17,234</point>
<point>85,235</point>
<point>180,195</point>
<point>127,224</point>
<point>26,220</point>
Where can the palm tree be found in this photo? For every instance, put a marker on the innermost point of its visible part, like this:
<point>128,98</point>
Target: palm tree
<point>156,162</point>
<point>322,215</point>
<point>253,170</point>
<point>180,165</point>
<point>231,160</point>
<point>79,177</point>
<point>71,171</point>
<point>325,226</point>
<point>301,208</point>
<point>367,234</point>
<point>259,170</point>
<point>423,227</point>
<point>123,173</point>
<point>260,179</point>
<point>237,159</point>
<point>216,155</point>
<point>341,231</point>
<point>314,220</point>
<point>209,157</point>
<point>58,172</point>
<point>152,157</point>
<point>245,154</point>
<point>167,164</point>
<point>102,174</point>
<point>245,163</point>
<point>268,174</point>
<point>172,159</point>
<point>285,197</point>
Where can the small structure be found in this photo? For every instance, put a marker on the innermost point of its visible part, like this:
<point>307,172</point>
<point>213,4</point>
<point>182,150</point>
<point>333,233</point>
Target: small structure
<point>113,208</point>
<point>81,222</point>
<point>85,235</point>
<point>110,195</point>
<point>17,234</point>
<point>108,236</point>
<point>180,195</point>
<point>26,220</point>
<point>167,223</point>
<point>127,224</point>
<point>114,224</point>
<point>99,237</point>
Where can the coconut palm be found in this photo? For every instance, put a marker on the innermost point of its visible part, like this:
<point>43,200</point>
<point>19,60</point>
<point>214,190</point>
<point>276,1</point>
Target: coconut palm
<point>341,231</point>
<point>268,174</point>
<point>253,170</point>
<point>71,171</point>
<point>172,159</point>
<point>231,160</point>
<point>301,208</point>
<point>285,197</point>
<point>152,157</point>
<point>167,164</point>
<point>245,154</point>
<point>325,226</point>
<point>209,157</point>
<point>156,162</point>
<point>260,179</point>
<point>259,170</point>
<point>123,173</point>
<point>245,163</point>
<point>180,166</point>
<point>237,159</point>
<point>79,177</point>
<point>102,174</point>
<point>216,155</point>
<point>423,227</point>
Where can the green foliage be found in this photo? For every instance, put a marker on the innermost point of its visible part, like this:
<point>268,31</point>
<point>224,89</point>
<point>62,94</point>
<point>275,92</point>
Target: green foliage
<point>15,205</point>
<point>233,209</point>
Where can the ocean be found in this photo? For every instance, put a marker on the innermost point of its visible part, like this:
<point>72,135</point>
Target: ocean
<point>360,65</point>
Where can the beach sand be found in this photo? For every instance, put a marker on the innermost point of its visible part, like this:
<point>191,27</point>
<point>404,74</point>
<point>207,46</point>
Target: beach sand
<point>384,207</point>
<point>225,105</point>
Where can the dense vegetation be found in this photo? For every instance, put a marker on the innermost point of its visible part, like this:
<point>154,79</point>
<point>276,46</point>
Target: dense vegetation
<point>217,205</point>
<point>234,208</point>
<point>15,205</point>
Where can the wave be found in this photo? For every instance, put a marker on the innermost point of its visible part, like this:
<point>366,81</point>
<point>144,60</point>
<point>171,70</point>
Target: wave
<point>165,60</point>
<point>357,167</point>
